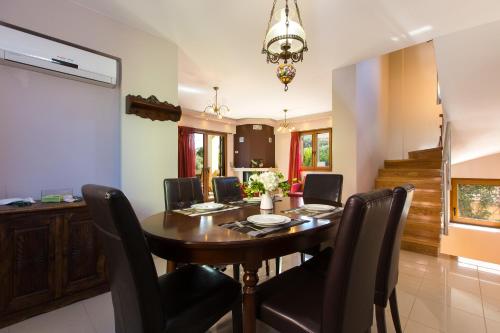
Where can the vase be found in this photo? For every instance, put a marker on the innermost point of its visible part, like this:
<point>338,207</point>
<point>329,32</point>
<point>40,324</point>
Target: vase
<point>266,202</point>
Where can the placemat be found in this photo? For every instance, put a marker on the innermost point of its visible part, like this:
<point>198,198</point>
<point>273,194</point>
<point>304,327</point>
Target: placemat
<point>255,231</point>
<point>309,213</point>
<point>193,212</point>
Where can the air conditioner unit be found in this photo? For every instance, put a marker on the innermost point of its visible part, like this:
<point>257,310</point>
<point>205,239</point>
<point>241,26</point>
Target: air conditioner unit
<point>40,53</point>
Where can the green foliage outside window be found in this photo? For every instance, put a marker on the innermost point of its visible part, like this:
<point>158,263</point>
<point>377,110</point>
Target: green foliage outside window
<point>480,202</point>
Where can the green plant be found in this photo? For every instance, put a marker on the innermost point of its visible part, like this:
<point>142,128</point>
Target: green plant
<point>477,201</point>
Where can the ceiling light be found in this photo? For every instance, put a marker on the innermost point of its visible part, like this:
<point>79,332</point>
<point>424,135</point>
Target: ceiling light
<point>420,30</point>
<point>215,107</point>
<point>285,40</point>
<point>286,126</point>
<point>395,39</point>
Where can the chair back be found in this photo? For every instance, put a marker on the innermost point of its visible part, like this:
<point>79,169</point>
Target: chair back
<point>323,188</point>
<point>227,189</point>
<point>350,283</point>
<point>388,264</point>
<point>182,192</point>
<point>132,276</point>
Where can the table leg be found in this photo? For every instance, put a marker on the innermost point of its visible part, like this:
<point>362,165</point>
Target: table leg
<point>250,280</point>
<point>171,266</point>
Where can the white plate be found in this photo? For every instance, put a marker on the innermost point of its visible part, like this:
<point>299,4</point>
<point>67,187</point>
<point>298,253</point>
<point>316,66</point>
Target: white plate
<point>319,208</point>
<point>268,220</point>
<point>207,206</point>
<point>252,199</point>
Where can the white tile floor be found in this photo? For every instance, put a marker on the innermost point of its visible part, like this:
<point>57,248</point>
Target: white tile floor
<point>435,295</point>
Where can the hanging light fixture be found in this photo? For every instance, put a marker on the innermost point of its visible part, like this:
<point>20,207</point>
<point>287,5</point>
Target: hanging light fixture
<point>286,126</point>
<point>216,108</point>
<point>285,40</point>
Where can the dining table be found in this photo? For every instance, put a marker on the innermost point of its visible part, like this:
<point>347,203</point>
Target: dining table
<point>203,239</point>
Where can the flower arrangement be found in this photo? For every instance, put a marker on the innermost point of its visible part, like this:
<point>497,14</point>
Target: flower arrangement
<point>266,183</point>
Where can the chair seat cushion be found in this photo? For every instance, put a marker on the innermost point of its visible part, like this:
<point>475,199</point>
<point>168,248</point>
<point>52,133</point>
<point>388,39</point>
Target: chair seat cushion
<point>195,297</point>
<point>292,301</point>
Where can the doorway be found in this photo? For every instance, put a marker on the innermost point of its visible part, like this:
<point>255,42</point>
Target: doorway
<point>210,148</point>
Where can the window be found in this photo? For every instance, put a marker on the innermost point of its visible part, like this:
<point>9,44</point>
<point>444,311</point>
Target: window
<point>476,201</point>
<point>315,149</point>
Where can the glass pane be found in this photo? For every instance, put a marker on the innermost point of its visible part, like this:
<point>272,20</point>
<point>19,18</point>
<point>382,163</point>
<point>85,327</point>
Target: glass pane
<point>198,146</point>
<point>323,149</point>
<point>214,165</point>
<point>480,202</point>
<point>306,149</point>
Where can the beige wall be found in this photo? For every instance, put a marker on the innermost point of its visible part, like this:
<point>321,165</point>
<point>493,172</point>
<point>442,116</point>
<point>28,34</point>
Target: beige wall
<point>414,115</point>
<point>472,242</point>
<point>149,67</point>
<point>483,167</point>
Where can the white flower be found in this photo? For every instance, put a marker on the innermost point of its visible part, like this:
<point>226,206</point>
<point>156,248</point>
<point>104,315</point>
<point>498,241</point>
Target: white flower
<point>270,180</point>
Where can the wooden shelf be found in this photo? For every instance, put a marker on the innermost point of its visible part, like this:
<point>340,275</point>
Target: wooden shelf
<point>152,108</point>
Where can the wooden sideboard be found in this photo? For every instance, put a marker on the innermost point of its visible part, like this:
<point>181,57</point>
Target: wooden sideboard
<point>50,257</point>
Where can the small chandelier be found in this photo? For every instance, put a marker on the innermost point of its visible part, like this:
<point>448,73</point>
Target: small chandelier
<point>286,126</point>
<point>285,40</point>
<point>215,108</point>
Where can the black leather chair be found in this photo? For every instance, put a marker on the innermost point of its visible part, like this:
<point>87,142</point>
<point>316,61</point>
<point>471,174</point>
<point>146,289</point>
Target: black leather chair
<point>226,189</point>
<point>388,265</point>
<point>191,299</point>
<point>182,192</point>
<point>323,188</point>
<point>341,301</point>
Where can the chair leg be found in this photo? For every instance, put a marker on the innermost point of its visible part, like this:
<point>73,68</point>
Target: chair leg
<point>380,314</point>
<point>237,318</point>
<point>236,272</point>
<point>393,301</point>
<point>267,268</point>
<point>302,257</point>
<point>278,265</point>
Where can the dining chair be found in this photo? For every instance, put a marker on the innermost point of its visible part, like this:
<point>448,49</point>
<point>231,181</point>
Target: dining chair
<point>321,188</point>
<point>388,264</point>
<point>227,189</point>
<point>190,299</point>
<point>182,192</point>
<point>340,301</point>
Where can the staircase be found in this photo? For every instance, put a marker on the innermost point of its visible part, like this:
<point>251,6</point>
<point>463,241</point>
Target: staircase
<point>422,169</point>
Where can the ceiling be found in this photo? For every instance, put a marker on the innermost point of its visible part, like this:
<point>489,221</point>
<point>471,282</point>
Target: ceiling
<point>468,64</point>
<point>220,42</point>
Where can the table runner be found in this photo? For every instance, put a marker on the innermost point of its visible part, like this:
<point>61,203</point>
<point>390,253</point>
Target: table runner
<point>316,214</point>
<point>193,212</point>
<point>255,231</point>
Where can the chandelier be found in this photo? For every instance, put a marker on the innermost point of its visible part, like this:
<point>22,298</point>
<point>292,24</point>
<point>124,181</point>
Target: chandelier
<point>285,40</point>
<point>286,126</point>
<point>216,108</point>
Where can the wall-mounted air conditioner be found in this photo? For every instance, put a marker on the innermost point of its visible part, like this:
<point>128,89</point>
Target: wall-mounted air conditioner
<point>19,47</point>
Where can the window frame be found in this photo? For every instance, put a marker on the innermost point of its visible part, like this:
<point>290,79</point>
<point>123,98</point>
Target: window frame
<point>455,218</point>
<point>314,134</point>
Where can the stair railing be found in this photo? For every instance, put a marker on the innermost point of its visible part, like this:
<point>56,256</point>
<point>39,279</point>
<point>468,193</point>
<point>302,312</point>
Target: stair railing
<point>446,178</point>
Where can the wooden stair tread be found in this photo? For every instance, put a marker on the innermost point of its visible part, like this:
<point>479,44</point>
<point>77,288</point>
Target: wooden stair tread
<point>420,239</point>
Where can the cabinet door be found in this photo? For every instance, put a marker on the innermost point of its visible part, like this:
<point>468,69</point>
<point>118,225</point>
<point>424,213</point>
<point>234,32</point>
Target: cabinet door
<point>28,272</point>
<point>83,261</point>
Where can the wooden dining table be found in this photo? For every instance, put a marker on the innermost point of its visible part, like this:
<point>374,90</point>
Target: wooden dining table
<point>201,240</point>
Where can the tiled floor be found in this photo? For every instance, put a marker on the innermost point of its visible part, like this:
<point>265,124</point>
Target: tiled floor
<point>435,295</point>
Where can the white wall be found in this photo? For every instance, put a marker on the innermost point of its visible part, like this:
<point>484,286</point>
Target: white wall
<point>149,66</point>
<point>360,112</point>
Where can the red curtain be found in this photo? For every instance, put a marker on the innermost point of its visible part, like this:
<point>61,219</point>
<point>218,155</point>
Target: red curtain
<point>187,153</point>
<point>294,163</point>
